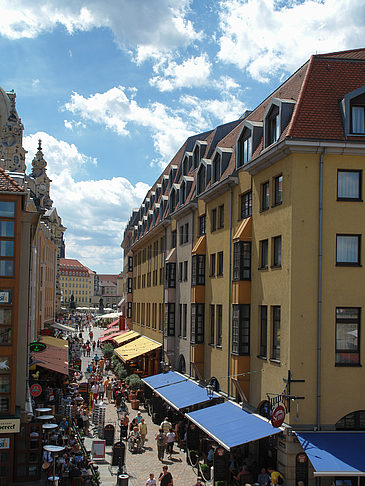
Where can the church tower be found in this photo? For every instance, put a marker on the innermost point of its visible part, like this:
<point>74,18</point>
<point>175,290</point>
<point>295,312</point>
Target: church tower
<point>41,180</point>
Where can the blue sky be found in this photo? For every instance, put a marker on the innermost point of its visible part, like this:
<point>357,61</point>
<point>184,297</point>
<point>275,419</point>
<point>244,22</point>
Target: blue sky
<point>114,87</point>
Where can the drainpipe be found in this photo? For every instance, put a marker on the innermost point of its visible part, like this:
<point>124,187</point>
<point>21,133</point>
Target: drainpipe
<point>319,308</point>
<point>229,292</point>
<point>163,298</point>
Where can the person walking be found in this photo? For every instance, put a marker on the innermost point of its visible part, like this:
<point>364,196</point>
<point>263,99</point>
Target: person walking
<point>165,477</point>
<point>143,431</point>
<point>275,476</point>
<point>161,442</point>
<point>170,442</point>
<point>166,425</point>
<point>151,481</point>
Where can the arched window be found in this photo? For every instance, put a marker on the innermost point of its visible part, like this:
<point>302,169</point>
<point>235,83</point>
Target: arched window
<point>352,421</point>
<point>182,365</point>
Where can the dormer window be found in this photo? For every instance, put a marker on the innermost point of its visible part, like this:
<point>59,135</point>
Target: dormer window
<point>201,178</point>
<point>182,192</point>
<point>358,119</point>
<point>276,119</point>
<point>244,147</point>
<point>216,168</point>
<point>273,126</point>
<point>196,156</point>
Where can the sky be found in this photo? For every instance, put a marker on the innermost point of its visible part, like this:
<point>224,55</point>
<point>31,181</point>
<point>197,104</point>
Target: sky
<point>114,87</point>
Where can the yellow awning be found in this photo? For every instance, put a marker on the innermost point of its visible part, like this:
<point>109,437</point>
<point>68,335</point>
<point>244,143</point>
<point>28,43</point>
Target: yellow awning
<point>126,337</point>
<point>244,231</point>
<point>52,341</point>
<point>171,257</point>
<point>139,346</point>
<point>199,247</point>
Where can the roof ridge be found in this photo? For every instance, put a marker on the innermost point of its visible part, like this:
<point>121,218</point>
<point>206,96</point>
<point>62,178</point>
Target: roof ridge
<point>327,54</point>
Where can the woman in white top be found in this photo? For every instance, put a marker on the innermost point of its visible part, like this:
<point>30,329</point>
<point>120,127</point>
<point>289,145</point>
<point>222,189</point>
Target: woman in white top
<point>151,481</point>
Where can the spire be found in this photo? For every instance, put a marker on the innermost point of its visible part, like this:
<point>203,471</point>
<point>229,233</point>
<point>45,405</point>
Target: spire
<point>38,164</point>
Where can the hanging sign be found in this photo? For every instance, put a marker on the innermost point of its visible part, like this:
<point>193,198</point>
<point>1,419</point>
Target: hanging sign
<point>278,416</point>
<point>35,390</point>
<point>37,347</point>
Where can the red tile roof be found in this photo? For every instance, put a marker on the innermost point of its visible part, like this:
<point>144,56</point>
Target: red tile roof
<point>7,184</point>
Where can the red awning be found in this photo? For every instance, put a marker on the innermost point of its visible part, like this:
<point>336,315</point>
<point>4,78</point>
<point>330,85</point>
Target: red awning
<point>53,358</point>
<point>109,331</point>
<point>110,337</point>
<point>114,323</point>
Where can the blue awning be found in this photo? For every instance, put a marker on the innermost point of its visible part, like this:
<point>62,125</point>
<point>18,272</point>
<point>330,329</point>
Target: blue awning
<point>178,390</point>
<point>231,426</point>
<point>335,453</point>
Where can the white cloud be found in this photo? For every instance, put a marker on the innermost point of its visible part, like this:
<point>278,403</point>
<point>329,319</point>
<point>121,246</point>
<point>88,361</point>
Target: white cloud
<point>59,154</point>
<point>143,24</point>
<point>94,211</point>
<point>226,110</point>
<point>119,112</point>
<point>192,72</point>
<point>35,83</point>
<point>72,124</point>
<point>266,37</point>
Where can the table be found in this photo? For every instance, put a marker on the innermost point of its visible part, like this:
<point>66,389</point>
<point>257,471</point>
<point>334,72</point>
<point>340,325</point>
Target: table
<point>43,410</point>
<point>54,449</point>
<point>45,417</point>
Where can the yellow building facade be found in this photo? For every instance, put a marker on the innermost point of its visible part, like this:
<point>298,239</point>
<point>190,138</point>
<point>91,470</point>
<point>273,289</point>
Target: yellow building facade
<point>75,280</point>
<point>270,207</point>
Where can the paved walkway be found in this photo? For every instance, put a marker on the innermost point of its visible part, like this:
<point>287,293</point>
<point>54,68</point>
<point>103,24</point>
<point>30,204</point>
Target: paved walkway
<point>139,466</point>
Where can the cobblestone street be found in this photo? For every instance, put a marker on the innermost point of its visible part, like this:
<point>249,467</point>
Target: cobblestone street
<point>139,466</point>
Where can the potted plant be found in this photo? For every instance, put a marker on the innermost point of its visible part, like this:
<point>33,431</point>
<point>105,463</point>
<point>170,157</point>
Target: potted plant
<point>205,470</point>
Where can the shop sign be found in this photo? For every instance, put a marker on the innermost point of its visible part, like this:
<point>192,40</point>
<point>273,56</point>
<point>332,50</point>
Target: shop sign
<point>9,425</point>
<point>278,416</point>
<point>37,347</point>
<point>35,390</point>
<point>220,464</point>
<point>5,297</point>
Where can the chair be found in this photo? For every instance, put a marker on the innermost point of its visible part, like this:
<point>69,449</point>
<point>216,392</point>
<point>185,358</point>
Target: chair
<point>76,481</point>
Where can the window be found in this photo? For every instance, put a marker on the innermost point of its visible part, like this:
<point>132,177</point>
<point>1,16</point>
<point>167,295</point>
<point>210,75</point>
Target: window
<point>241,329</point>
<point>129,310</point>
<point>173,239</point>
<point>265,196</point>
<point>214,220</point>
<point>130,285</point>
<point>7,209</point>
<point>264,252</point>
<point>197,323</point>
<point>212,324</point>
<point>170,319</point>
<point>185,271</point>
<point>186,233</point>
<point>216,168</point>
<point>348,249</point>
<point>246,205</point>
<point>273,126</point>
<point>5,385</point>
<point>185,320</point>
<point>202,225</point>
<point>263,331</point>
<point>212,265</point>
<point>180,320</point>
<point>278,190</point>
<point>130,264</point>
<point>358,119</point>
<point>276,257</point>
<point>219,324</point>
<point>275,355</point>
<point>221,216</point>
<point>348,336</point>
<point>349,185</point>
<point>171,275</point>
<point>181,234</point>
<point>242,260</point>
<point>5,316</point>
<point>180,271</point>
<point>198,270</point>
<point>220,263</point>
<point>244,148</point>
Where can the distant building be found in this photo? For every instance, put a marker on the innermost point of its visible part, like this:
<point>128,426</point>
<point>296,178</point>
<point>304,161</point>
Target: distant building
<point>75,280</point>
